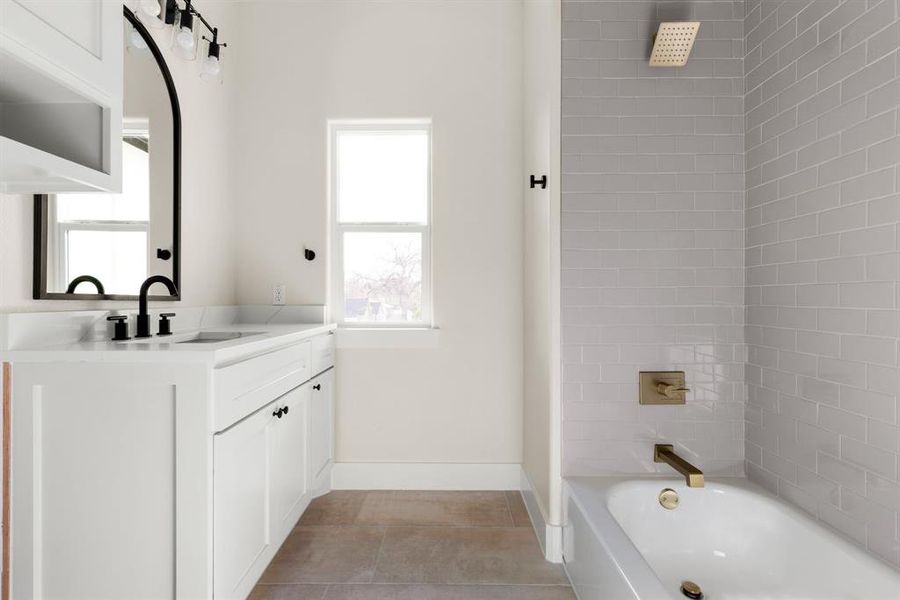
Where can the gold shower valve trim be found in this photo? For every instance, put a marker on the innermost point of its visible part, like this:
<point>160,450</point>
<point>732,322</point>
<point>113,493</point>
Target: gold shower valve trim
<point>662,387</point>
<point>669,390</point>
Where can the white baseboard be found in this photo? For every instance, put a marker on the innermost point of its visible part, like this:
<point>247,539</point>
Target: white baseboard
<point>549,536</point>
<point>425,476</point>
<point>554,550</point>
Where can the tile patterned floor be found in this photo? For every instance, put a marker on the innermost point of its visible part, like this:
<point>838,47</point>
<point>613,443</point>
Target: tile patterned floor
<point>393,545</point>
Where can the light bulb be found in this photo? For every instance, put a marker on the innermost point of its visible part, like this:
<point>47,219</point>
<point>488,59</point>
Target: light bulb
<point>148,12</point>
<point>136,40</point>
<point>185,38</point>
<point>210,69</point>
<point>151,8</point>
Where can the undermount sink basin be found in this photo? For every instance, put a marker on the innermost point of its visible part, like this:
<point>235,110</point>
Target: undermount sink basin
<point>212,337</point>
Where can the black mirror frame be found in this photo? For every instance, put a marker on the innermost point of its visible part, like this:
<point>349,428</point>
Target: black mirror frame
<point>39,284</point>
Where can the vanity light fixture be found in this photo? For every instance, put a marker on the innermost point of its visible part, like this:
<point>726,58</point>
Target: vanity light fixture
<point>171,13</point>
<point>211,69</point>
<point>184,38</point>
<point>185,41</point>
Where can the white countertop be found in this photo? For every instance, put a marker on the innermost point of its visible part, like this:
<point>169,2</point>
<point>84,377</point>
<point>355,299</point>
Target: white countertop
<point>168,349</point>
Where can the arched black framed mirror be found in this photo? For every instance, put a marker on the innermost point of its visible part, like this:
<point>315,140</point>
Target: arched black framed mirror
<point>101,246</point>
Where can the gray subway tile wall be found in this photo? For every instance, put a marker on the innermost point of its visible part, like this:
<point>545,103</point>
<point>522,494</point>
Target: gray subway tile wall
<point>738,218</point>
<point>653,236</point>
<point>823,205</point>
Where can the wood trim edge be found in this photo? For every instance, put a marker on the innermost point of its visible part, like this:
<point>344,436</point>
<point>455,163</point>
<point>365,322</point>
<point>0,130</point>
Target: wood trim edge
<point>6,445</point>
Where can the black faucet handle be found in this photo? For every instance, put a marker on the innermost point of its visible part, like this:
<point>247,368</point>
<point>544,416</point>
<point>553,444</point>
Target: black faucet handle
<point>165,326</point>
<point>120,330</point>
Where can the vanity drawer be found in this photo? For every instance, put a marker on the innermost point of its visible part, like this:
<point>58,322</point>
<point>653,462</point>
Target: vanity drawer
<point>243,387</point>
<point>322,353</point>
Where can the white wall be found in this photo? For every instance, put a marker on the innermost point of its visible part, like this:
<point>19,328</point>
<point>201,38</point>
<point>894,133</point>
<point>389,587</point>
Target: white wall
<point>542,411</point>
<point>458,63</point>
<point>207,194</point>
<point>823,224</point>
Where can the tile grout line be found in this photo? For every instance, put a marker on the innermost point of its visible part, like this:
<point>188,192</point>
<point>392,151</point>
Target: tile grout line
<point>512,519</point>
<point>378,555</point>
<point>383,536</point>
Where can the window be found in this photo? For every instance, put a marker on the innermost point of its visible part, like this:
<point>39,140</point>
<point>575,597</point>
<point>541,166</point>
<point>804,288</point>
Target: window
<point>102,234</point>
<point>380,182</point>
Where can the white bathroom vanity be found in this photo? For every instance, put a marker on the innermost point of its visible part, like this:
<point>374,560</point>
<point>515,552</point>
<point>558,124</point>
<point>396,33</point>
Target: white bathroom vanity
<point>167,467</point>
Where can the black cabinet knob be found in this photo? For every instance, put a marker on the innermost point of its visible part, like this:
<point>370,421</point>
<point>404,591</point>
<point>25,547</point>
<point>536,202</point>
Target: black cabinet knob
<point>278,413</point>
<point>317,387</point>
<point>286,409</point>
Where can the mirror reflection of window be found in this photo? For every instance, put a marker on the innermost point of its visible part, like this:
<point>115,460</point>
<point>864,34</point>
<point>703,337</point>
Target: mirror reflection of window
<point>122,238</point>
<point>103,234</point>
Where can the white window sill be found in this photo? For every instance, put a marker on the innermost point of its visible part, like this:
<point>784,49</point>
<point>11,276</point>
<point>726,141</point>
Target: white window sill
<point>387,337</point>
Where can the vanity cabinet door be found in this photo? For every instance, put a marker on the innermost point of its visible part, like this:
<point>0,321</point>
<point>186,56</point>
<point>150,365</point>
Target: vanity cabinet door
<point>259,490</point>
<point>321,425</point>
<point>78,37</point>
<point>243,542</point>
<point>288,455</point>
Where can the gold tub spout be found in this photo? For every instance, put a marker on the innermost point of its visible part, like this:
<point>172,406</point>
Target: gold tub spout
<point>664,453</point>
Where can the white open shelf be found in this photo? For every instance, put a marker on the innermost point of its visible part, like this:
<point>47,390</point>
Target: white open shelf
<point>25,169</point>
<point>56,129</point>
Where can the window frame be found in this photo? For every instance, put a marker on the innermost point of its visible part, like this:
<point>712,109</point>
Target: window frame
<point>63,228</point>
<point>338,229</point>
<point>59,230</point>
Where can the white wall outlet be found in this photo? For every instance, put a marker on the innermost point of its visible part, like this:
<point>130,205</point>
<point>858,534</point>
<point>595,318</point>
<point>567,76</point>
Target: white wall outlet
<point>278,294</point>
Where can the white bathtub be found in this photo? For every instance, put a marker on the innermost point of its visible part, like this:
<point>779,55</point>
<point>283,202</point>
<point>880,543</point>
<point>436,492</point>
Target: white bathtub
<point>731,537</point>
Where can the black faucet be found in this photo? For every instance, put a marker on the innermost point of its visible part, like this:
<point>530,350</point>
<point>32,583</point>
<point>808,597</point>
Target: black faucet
<point>143,319</point>
<point>82,279</point>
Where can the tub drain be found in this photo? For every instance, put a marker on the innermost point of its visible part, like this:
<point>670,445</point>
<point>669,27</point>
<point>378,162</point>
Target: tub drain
<point>691,590</point>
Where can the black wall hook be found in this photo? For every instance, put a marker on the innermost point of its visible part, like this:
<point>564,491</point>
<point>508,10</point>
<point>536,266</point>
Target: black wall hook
<point>309,254</point>
<point>541,182</point>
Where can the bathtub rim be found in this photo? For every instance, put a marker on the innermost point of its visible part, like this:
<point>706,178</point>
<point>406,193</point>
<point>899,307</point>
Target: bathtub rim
<point>590,495</point>
<point>631,565</point>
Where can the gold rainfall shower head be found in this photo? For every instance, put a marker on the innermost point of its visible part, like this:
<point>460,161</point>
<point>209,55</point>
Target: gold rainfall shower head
<point>672,43</point>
